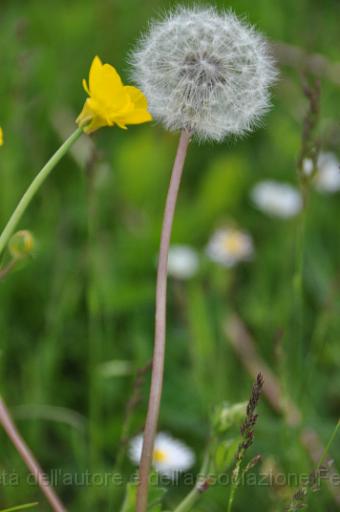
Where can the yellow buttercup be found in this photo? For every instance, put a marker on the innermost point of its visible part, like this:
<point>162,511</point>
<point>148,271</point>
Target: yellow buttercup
<point>110,102</point>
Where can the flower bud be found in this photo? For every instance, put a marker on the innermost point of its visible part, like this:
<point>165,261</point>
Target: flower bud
<point>227,416</point>
<point>21,245</point>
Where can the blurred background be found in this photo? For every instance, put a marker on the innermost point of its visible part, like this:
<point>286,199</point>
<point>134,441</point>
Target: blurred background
<point>76,320</point>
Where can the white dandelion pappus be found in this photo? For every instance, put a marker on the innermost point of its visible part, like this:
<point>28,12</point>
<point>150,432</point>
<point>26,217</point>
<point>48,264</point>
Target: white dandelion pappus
<point>204,71</point>
<point>327,178</point>
<point>277,199</point>
<point>183,262</point>
<point>170,456</point>
<point>230,246</point>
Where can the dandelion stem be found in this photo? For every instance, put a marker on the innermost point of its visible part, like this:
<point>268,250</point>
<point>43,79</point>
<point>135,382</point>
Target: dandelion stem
<point>28,458</point>
<point>34,187</point>
<point>160,325</point>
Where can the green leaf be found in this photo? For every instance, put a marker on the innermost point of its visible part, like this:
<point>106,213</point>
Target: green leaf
<point>129,504</point>
<point>155,498</point>
<point>225,453</point>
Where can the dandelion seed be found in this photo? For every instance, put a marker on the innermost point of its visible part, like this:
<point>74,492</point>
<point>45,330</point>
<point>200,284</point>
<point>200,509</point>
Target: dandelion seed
<point>110,102</point>
<point>170,456</point>
<point>277,199</point>
<point>327,178</point>
<point>230,246</point>
<point>183,262</point>
<point>204,71</point>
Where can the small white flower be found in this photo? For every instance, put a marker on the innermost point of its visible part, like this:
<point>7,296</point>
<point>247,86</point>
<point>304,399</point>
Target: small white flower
<point>204,71</point>
<point>307,166</point>
<point>229,246</point>
<point>170,456</point>
<point>183,262</point>
<point>327,178</point>
<point>277,199</point>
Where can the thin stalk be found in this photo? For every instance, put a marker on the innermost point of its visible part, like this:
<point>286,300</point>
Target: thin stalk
<point>200,487</point>
<point>20,507</point>
<point>160,325</point>
<point>7,269</point>
<point>94,331</point>
<point>28,458</point>
<point>329,444</point>
<point>298,297</point>
<point>34,187</point>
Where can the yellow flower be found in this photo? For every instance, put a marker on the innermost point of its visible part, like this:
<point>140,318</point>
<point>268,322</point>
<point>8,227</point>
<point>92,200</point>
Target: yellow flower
<point>110,102</point>
<point>1,136</point>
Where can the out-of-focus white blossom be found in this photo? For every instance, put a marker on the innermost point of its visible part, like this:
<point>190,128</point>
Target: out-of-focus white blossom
<point>183,262</point>
<point>230,246</point>
<point>170,456</point>
<point>307,166</point>
<point>327,178</point>
<point>277,199</point>
<point>205,71</point>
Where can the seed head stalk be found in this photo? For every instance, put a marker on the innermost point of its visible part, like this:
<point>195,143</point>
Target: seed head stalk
<point>28,458</point>
<point>160,325</point>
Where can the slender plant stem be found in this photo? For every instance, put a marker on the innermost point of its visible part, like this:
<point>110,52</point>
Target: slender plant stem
<point>160,325</point>
<point>20,507</point>
<point>5,418</point>
<point>329,444</point>
<point>201,486</point>
<point>6,270</point>
<point>28,458</point>
<point>34,187</point>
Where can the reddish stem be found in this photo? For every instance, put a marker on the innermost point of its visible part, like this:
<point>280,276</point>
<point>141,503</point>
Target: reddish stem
<point>28,458</point>
<point>160,326</point>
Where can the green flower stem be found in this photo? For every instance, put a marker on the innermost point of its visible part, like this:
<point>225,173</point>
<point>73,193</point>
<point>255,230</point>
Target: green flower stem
<point>200,487</point>
<point>34,187</point>
<point>20,507</point>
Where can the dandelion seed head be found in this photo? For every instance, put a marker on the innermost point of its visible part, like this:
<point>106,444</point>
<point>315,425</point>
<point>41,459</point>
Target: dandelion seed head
<point>204,71</point>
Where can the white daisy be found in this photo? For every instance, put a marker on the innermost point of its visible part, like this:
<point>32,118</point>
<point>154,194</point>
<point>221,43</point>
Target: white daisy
<point>229,246</point>
<point>183,262</point>
<point>327,178</point>
<point>277,199</point>
<point>170,456</point>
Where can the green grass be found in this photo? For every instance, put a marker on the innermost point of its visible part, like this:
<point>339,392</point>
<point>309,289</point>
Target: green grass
<point>87,296</point>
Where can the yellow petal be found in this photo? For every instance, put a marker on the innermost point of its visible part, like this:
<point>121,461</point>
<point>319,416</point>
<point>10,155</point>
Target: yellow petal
<point>137,116</point>
<point>90,120</point>
<point>95,68</point>
<point>96,123</point>
<point>106,85</point>
<point>137,97</point>
<point>85,86</point>
<point>121,124</point>
<point>1,136</point>
<point>138,113</point>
